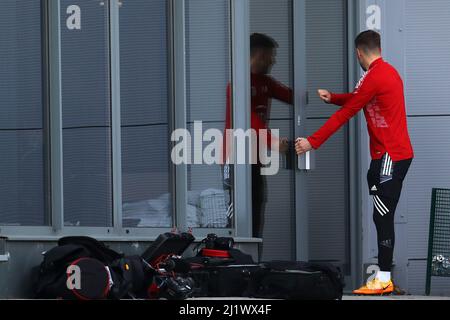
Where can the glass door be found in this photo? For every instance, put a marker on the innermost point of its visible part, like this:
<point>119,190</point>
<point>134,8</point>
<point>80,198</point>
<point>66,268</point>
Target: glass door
<point>272,77</point>
<point>326,188</point>
<point>302,214</point>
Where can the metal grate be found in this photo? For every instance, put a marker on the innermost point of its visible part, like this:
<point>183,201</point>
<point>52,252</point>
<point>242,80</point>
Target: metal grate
<point>439,242</point>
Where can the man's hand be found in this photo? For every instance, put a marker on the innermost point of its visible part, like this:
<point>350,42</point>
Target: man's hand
<point>283,145</point>
<point>325,95</point>
<point>302,146</point>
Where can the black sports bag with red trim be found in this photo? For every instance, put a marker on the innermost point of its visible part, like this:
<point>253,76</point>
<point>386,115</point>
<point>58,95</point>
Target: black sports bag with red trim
<point>82,268</point>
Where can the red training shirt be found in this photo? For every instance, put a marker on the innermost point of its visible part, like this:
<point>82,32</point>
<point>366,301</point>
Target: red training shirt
<point>381,93</point>
<point>264,89</point>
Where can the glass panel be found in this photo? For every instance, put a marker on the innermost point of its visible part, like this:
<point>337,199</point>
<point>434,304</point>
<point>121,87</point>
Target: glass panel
<point>271,65</point>
<point>208,74</point>
<point>328,191</point>
<point>146,180</point>
<point>86,113</point>
<point>23,133</point>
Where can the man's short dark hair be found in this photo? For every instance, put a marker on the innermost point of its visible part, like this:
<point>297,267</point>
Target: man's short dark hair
<point>262,41</point>
<point>369,41</point>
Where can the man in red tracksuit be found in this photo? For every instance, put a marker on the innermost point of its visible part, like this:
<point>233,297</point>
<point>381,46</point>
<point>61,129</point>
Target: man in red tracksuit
<point>264,88</point>
<point>380,93</point>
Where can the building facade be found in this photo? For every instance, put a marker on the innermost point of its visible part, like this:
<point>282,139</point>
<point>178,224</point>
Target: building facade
<point>91,93</point>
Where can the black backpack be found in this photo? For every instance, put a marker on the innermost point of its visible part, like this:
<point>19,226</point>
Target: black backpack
<point>105,274</point>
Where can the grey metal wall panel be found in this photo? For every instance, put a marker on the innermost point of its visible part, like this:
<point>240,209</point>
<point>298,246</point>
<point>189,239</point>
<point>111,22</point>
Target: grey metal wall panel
<point>400,269</point>
<point>427,56</point>
<point>426,66</point>
<point>207,58</point>
<point>430,169</point>
<point>325,52</point>
<point>416,41</point>
<point>327,195</point>
<point>416,280</point>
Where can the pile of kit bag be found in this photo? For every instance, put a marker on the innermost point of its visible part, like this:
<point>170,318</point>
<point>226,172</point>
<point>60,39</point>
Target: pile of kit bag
<point>82,268</point>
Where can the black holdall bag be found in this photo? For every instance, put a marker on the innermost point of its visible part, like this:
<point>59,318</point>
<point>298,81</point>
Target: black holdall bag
<point>167,244</point>
<point>223,281</point>
<point>171,280</point>
<point>130,275</point>
<point>95,248</point>
<point>94,282</point>
<point>234,274</point>
<point>220,251</point>
<point>220,270</point>
<point>104,273</point>
<point>56,277</point>
<point>297,281</point>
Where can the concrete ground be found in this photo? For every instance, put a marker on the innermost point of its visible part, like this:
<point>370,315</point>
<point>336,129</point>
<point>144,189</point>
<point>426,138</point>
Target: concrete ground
<point>349,298</point>
<point>394,298</point>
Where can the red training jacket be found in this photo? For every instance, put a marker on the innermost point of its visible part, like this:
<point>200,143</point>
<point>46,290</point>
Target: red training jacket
<point>381,93</point>
<point>263,89</point>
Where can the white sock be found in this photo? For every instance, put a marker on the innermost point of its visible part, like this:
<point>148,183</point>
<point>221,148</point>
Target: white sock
<point>383,276</point>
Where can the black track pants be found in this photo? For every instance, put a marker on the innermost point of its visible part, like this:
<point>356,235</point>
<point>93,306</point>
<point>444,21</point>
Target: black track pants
<point>258,200</point>
<point>385,179</point>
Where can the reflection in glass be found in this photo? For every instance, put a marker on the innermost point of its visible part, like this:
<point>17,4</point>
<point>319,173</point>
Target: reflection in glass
<point>272,99</point>
<point>146,197</point>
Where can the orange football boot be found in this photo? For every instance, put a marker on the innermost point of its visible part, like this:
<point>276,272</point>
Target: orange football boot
<point>375,287</point>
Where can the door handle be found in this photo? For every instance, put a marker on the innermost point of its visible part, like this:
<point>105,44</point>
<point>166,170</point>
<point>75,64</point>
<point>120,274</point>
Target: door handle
<point>307,161</point>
